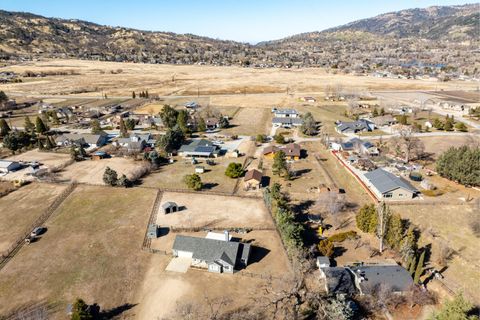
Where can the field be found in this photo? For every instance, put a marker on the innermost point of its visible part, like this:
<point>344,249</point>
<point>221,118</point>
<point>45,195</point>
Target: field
<point>215,211</point>
<point>95,78</point>
<point>153,108</point>
<point>90,171</point>
<point>91,250</point>
<point>171,175</point>
<point>250,122</point>
<point>449,225</point>
<point>20,208</point>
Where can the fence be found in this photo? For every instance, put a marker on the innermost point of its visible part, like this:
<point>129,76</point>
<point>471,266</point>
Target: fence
<point>230,229</point>
<point>152,220</point>
<point>17,245</point>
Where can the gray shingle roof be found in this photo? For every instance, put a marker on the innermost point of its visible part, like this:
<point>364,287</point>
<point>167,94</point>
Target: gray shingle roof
<point>209,250</point>
<point>169,204</point>
<point>385,181</point>
<point>395,277</point>
<point>339,280</point>
<point>287,120</point>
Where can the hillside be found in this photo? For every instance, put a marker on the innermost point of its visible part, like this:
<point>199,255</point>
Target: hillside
<point>384,42</point>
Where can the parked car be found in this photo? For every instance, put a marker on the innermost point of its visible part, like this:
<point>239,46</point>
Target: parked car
<point>37,231</point>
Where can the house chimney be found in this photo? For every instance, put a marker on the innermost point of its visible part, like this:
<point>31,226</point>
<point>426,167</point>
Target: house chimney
<point>227,235</point>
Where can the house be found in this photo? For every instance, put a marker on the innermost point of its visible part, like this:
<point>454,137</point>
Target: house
<point>212,123</point>
<point>252,180</point>
<point>361,125</point>
<point>199,148</point>
<point>383,121</point>
<point>169,207</point>
<point>337,280</point>
<point>362,147</point>
<point>84,139</point>
<point>214,255</point>
<point>392,276</point>
<point>286,122</point>
<point>134,143</point>
<point>8,166</point>
<point>292,151</point>
<point>285,113</point>
<point>386,185</point>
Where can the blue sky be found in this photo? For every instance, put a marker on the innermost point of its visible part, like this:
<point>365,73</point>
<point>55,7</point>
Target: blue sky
<point>241,20</point>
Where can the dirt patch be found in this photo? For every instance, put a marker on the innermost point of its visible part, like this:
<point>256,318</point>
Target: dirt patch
<point>202,210</point>
<point>90,171</point>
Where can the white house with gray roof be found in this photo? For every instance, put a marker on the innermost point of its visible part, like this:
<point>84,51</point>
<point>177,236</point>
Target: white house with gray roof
<point>215,255</point>
<point>285,113</point>
<point>84,139</point>
<point>387,186</point>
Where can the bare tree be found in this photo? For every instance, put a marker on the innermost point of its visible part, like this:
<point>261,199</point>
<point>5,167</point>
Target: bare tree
<point>406,144</point>
<point>332,203</point>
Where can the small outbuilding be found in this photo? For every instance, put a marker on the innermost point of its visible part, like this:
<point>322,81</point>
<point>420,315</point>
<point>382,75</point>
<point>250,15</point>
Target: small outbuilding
<point>199,169</point>
<point>323,262</point>
<point>169,207</point>
<point>253,179</point>
<point>99,155</point>
<point>152,232</point>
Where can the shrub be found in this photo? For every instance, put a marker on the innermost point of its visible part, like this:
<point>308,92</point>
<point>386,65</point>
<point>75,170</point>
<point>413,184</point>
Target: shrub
<point>234,170</point>
<point>415,176</point>
<point>342,236</point>
<point>326,247</point>
<point>193,181</point>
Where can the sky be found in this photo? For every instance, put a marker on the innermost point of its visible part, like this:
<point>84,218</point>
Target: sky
<point>241,20</point>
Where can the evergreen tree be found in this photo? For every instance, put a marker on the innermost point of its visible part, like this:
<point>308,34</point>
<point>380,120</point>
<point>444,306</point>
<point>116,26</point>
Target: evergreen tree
<point>201,126</point>
<point>456,309</point>
<point>28,125</point>
<point>48,143</point>
<point>40,126</point>
<point>123,181</point>
<point>193,181</point>
<point>413,266</point>
<point>110,177</point>
<point>4,128</point>
<point>73,153</point>
<point>309,125</point>
<point>234,170</point>
<point>395,231</point>
<point>223,122</point>
<point>95,127</point>
<point>130,124</point>
<point>382,111</point>
<point>12,142</point>
<point>169,116</point>
<point>81,310</point>
<point>403,119</point>
<point>460,164</point>
<point>133,95</point>
<point>171,140</point>
<point>366,218</point>
<point>182,121</point>
<point>279,166</point>
<point>146,94</point>
<point>123,129</point>
<point>460,126</point>
<point>3,97</point>
<point>375,112</point>
<point>419,269</point>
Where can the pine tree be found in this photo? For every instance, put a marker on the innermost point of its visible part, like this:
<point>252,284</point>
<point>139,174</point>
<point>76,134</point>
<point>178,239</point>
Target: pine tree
<point>49,144</point>
<point>146,94</point>
<point>29,126</point>
<point>40,126</point>
<point>413,265</point>
<point>4,128</point>
<point>375,112</point>
<point>123,129</point>
<point>133,95</point>
<point>419,269</point>
<point>279,166</point>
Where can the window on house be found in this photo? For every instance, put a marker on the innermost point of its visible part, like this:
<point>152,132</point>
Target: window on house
<point>387,195</point>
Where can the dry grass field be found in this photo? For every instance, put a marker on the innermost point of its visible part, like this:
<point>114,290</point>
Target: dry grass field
<point>214,178</point>
<point>91,250</point>
<point>214,211</point>
<point>153,108</point>
<point>95,77</point>
<point>250,122</point>
<point>21,207</point>
<point>90,171</point>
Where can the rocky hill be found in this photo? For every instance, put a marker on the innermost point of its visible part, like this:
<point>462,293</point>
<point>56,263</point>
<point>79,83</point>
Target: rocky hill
<point>435,36</point>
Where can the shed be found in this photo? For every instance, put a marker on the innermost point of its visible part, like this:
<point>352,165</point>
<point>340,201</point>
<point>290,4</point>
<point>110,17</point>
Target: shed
<point>169,207</point>
<point>199,169</point>
<point>253,179</point>
<point>152,232</point>
<point>323,262</point>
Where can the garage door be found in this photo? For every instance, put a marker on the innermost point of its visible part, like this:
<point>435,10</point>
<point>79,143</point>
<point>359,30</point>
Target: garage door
<point>184,254</point>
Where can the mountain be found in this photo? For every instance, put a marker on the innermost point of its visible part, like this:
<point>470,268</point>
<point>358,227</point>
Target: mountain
<point>446,36</point>
<point>436,23</point>
<point>29,34</point>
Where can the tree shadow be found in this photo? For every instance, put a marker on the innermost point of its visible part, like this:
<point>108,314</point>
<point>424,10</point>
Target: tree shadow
<point>301,172</point>
<point>210,185</point>
<point>338,251</point>
<point>115,312</point>
<point>301,208</point>
<point>265,182</point>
